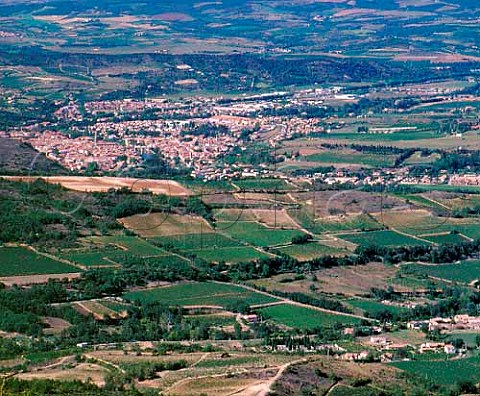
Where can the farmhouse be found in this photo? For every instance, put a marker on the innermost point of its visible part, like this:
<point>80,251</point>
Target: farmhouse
<point>354,357</point>
<point>431,347</point>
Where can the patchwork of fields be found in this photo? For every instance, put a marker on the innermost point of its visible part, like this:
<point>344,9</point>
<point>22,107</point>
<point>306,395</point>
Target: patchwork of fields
<point>201,294</point>
<point>351,157</point>
<point>463,272</point>
<point>304,318</point>
<point>374,307</point>
<point>16,261</point>
<point>445,372</point>
<point>382,238</point>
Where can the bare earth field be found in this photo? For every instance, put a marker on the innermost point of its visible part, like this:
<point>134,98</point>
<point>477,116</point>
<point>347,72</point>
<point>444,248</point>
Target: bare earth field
<point>349,281</point>
<point>469,140</point>
<point>274,218</point>
<point>82,372</point>
<point>103,184</point>
<point>25,280</point>
<point>326,203</point>
<point>161,224</point>
<point>55,325</point>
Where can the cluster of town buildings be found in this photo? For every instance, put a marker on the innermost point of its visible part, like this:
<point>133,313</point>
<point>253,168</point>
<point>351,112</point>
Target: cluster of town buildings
<point>457,322</point>
<point>119,133</point>
<point>465,180</point>
<point>379,347</point>
<point>391,176</point>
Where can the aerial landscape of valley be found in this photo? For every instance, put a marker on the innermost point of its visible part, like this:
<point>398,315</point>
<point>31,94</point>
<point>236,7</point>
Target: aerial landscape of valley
<point>241,197</point>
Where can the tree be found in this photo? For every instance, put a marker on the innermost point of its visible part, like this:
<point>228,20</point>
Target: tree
<point>301,239</point>
<point>458,343</point>
<point>92,167</point>
<point>238,331</point>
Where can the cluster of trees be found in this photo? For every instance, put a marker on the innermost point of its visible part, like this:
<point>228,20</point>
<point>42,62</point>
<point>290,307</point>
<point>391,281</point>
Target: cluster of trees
<point>457,161</point>
<point>377,149</point>
<point>466,211</point>
<point>27,211</point>
<point>148,370</point>
<point>454,301</point>
<point>302,239</point>
<point>207,130</point>
<point>447,253</point>
<point>155,166</point>
<point>32,212</point>
<point>253,155</point>
<point>21,308</point>
<point>364,254</point>
<point>312,171</point>
<point>156,321</point>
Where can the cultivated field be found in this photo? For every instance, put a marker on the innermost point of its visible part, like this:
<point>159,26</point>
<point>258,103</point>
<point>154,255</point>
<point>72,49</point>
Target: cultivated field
<point>263,185</point>
<point>81,372</point>
<point>256,234</point>
<point>105,183</point>
<point>303,318</point>
<point>93,257</point>
<point>421,221</point>
<point>16,261</point>
<point>463,272</point>
<point>352,222</point>
<point>445,372</point>
<point>312,250</point>
<point>228,254</point>
<point>165,224</point>
<point>374,307</point>
<point>382,238</point>
<point>350,158</point>
<point>349,281</point>
<point>98,309</point>
<point>25,280</point>
<point>208,240</point>
<point>201,294</point>
<point>130,244</point>
<point>274,218</point>
<point>323,204</point>
<point>448,238</point>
